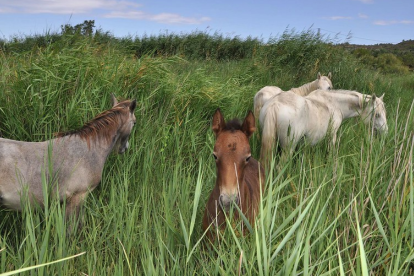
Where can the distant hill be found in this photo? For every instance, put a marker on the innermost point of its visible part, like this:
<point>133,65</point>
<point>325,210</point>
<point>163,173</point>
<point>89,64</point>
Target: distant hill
<point>404,46</point>
<point>385,54</point>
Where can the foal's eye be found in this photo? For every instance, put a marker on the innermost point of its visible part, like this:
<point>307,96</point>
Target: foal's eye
<point>215,157</point>
<point>248,158</point>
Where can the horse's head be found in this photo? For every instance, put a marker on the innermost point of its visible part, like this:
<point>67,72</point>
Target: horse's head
<point>375,114</point>
<point>324,82</point>
<point>127,122</point>
<point>232,154</point>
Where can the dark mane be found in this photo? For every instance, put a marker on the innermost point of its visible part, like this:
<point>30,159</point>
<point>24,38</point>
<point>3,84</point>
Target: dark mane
<point>107,121</point>
<point>233,125</point>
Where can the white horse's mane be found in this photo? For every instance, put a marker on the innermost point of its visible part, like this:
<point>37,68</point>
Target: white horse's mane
<point>304,89</point>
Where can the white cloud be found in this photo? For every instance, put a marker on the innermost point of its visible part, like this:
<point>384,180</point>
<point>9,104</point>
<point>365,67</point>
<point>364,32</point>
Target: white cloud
<point>65,7</point>
<point>393,22</point>
<point>361,15</point>
<point>109,9</point>
<point>366,1</point>
<point>168,18</point>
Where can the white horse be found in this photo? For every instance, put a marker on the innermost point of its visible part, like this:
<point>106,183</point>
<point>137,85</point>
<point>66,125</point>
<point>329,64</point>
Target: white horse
<point>288,117</point>
<point>264,94</point>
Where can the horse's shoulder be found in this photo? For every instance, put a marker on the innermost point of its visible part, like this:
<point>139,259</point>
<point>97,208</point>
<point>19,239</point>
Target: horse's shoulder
<point>254,170</point>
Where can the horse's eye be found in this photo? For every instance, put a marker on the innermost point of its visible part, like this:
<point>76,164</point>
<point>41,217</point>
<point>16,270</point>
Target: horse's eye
<point>248,158</point>
<point>215,157</point>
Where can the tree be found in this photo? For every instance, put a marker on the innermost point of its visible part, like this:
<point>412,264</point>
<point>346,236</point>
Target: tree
<point>86,28</point>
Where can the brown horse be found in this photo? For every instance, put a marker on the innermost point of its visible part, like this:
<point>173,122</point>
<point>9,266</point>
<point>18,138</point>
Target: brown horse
<point>239,176</point>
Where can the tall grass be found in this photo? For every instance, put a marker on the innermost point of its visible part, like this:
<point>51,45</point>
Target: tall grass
<point>344,211</point>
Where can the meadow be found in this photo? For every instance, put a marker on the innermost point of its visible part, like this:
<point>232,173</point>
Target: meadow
<point>344,211</point>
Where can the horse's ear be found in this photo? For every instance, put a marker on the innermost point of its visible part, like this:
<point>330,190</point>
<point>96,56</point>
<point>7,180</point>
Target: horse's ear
<point>114,101</point>
<point>218,122</point>
<point>133,106</point>
<point>319,75</point>
<point>330,75</point>
<point>374,97</point>
<point>249,124</point>
<point>382,97</point>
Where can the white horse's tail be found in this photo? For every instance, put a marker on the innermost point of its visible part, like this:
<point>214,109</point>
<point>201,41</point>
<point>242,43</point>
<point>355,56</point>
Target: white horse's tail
<point>269,128</point>
<point>258,103</point>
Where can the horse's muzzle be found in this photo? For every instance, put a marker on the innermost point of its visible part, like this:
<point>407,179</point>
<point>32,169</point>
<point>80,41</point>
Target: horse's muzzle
<point>122,149</point>
<point>226,201</point>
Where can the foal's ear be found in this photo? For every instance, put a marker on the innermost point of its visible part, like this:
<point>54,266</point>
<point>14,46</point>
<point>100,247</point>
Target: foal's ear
<point>319,75</point>
<point>330,75</point>
<point>133,105</point>
<point>382,97</point>
<point>114,101</point>
<point>218,122</point>
<point>249,124</point>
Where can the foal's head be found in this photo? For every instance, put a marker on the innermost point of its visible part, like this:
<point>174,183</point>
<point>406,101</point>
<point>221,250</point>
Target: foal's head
<point>324,82</point>
<point>127,122</point>
<point>232,154</point>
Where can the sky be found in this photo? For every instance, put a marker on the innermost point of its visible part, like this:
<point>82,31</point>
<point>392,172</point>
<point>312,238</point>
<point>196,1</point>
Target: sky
<point>354,21</point>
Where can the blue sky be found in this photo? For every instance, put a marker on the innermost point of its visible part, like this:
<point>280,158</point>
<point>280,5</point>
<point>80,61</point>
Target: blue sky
<point>365,21</point>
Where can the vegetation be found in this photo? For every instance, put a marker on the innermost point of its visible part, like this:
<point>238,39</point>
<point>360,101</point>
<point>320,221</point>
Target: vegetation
<point>344,211</point>
<point>389,58</point>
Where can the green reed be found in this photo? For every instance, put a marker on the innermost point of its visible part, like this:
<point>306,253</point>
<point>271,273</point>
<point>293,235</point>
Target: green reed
<point>347,210</point>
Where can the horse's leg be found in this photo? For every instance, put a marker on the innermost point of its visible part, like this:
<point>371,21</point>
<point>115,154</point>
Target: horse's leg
<point>74,211</point>
<point>335,124</point>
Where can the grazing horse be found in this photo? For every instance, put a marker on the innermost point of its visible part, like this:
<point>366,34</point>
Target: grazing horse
<point>288,117</point>
<point>267,92</point>
<point>72,163</point>
<point>239,176</point>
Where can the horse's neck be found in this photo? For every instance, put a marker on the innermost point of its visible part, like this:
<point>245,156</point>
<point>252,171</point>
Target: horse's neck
<point>97,148</point>
<point>306,88</point>
<point>348,104</point>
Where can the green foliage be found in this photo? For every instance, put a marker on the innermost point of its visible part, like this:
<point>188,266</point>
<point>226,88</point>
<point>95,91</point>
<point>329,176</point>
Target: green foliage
<point>386,62</point>
<point>343,211</point>
<point>389,63</point>
<point>388,58</point>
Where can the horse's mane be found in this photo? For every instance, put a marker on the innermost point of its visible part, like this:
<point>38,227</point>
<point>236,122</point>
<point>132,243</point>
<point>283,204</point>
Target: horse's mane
<point>305,89</point>
<point>233,125</point>
<point>107,120</point>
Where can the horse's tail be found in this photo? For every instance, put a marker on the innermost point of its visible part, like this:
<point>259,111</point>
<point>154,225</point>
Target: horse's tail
<point>258,102</point>
<point>268,119</point>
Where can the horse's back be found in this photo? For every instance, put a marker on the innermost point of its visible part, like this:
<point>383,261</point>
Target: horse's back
<point>262,96</point>
<point>287,105</point>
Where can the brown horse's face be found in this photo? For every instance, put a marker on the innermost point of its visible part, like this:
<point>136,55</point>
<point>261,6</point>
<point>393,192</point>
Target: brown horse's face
<point>232,154</point>
<point>128,123</point>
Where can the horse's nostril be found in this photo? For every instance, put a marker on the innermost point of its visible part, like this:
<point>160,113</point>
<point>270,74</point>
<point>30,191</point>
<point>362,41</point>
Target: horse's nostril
<point>237,200</point>
<point>221,200</point>
<point>226,201</point>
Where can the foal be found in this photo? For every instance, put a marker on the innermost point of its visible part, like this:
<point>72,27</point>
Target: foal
<point>239,176</point>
